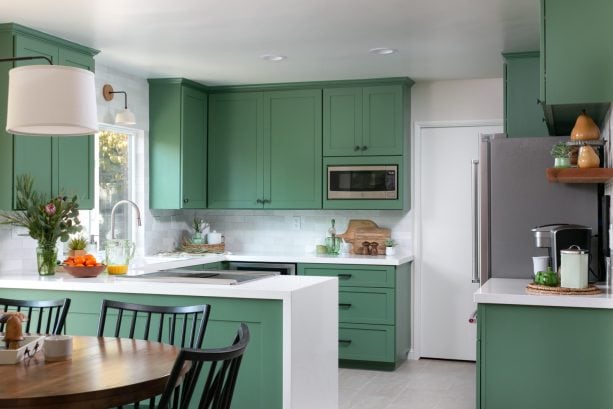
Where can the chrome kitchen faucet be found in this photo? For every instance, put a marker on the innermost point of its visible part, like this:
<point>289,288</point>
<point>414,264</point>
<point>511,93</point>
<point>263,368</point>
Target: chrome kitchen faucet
<point>113,215</point>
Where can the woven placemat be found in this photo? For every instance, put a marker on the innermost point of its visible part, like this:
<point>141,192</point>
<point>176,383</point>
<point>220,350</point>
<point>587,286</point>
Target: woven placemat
<point>534,288</point>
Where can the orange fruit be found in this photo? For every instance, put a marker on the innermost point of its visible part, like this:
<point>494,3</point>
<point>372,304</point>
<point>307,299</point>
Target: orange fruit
<point>79,260</point>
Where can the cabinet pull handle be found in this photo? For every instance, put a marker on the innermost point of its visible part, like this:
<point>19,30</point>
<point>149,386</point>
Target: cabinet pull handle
<point>343,305</point>
<point>344,342</point>
<point>266,201</point>
<point>186,200</point>
<point>357,148</point>
<point>345,276</point>
<point>364,147</point>
<point>259,201</point>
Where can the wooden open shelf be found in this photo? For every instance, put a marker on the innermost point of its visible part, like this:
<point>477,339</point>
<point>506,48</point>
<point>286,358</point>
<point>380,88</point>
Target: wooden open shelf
<point>577,175</point>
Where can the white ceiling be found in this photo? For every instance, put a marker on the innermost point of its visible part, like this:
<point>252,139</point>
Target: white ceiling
<point>220,41</point>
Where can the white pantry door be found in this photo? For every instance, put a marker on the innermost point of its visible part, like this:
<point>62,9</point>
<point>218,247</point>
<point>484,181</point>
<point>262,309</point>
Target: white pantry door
<point>446,297</point>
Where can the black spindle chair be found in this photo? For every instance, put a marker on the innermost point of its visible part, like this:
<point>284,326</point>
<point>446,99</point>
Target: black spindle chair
<point>44,317</point>
<point>221,366</point>
<point>182,326</point>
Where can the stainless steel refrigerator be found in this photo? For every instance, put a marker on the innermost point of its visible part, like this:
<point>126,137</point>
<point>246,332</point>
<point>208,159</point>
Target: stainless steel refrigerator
<point>514,196</point>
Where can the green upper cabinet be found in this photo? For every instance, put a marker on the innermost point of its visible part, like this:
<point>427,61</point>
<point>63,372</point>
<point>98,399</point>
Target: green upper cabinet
<point>177,144</point>
<point>265,150</point>
<point>366,120</point>
<point>523,115</point>
<point>59,165</point>
<point>236,150</point>
<point>577,61</point>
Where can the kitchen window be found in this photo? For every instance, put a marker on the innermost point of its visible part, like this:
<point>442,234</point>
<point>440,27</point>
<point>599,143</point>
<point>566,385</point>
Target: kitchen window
<point>115,178</point>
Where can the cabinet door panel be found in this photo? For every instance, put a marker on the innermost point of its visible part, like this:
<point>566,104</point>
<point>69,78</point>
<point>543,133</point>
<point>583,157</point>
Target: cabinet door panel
<point>75,155</point>
<point>383,120</point>
<point>292,122</point>
<point>235,151</point>
<point>523,115</point>
<point>75,168</point>
<point>32,156</point>
<point>342,121</point>
<point>193,150</point>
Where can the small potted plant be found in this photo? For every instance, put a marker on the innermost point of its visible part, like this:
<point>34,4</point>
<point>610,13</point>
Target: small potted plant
<point>561,153</point>
<point>77,246</point>
<point>198,225</point>
<point>390,250</point>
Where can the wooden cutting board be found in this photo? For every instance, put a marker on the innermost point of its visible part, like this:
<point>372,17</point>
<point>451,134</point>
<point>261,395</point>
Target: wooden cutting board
<point>359,231</point>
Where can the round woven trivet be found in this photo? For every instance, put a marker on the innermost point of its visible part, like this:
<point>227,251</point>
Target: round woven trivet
<point>534,288</point>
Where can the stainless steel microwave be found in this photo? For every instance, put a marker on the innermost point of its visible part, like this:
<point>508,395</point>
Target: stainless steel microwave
<point>363,182</point>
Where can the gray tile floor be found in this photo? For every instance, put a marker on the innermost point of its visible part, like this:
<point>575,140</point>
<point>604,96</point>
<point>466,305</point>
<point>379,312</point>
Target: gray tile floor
<point>422,384</point>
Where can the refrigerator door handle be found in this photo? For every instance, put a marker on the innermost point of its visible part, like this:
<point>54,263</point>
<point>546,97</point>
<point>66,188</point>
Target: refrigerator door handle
<point>475,218</point>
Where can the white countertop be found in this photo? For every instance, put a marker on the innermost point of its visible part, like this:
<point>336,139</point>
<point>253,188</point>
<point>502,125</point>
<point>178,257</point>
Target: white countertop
<point>513,291</point>
<point>274,287</point>
<point>174,260</point>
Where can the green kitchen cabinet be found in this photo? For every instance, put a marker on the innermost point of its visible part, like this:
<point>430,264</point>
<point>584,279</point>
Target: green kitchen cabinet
<point>365,121</point>
<point>59,165</point>
<point>535,357</point>
<point>374,312</point>
<point>523,114</point>
<point>265,150</point>
<point>260,380</point>
<point>577,59</point>
<point>177,144</point>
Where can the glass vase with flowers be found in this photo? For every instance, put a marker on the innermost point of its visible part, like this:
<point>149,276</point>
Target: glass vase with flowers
<point>46,221</point>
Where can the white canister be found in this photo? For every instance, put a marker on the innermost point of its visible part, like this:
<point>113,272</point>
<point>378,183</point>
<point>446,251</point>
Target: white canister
<point>213,237</point>
<point>573,267</point>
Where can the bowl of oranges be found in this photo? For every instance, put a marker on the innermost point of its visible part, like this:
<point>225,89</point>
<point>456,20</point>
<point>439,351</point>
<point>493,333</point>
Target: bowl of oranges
<point>83,266</point>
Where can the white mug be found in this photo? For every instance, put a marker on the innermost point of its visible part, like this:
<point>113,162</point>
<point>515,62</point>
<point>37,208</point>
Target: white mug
<point>57,347</point>
<point>540,263</point>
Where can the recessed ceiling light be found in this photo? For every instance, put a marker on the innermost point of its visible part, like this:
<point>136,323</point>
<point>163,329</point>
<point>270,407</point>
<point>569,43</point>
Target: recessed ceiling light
<point>383,51</point>
<point>273,57</point>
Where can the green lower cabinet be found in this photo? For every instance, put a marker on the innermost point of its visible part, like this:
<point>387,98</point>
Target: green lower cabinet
<point>544,357</point>
<point>366,305</point>
<point>371,343</point>
<point>374,312</point>
<point>259,384</point>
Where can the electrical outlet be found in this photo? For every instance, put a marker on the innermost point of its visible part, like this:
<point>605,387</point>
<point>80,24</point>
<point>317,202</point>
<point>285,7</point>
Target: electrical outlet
<point>296,223</point>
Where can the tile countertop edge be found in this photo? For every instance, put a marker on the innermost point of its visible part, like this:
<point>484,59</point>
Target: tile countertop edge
<point>513,291</point>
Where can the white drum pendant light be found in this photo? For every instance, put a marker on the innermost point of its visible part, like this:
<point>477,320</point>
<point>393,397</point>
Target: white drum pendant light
<point>51,100</point>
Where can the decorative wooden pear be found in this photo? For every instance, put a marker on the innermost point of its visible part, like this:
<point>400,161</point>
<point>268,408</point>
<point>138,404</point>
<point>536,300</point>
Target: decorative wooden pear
<point>588,158</point>
<point>585,129</point>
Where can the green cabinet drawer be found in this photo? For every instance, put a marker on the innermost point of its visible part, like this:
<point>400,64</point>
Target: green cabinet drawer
<point>366,342</point>
<point>352,275</point>
<point>367,306</point>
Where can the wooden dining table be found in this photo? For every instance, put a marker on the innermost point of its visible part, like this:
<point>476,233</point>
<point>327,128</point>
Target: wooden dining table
<point>102,372</point>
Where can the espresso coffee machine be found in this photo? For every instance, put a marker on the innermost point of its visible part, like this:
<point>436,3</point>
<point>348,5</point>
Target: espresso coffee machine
<point>556,237</point>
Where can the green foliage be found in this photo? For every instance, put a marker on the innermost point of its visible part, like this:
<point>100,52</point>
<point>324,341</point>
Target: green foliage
<point>390,242</point>
<point>77,243</point>
<point>46,221</point>
<point>560,150</point>
<point>113,160</point>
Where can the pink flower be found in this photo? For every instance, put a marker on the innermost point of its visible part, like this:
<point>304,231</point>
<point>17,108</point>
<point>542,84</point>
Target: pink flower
<point>50,209</point>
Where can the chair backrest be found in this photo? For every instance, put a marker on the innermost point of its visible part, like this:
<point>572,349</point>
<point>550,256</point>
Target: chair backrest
<point>44,317</point>
<point>179,326</point>
<point>221,366</point>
